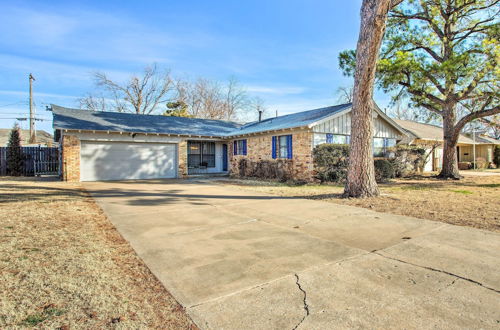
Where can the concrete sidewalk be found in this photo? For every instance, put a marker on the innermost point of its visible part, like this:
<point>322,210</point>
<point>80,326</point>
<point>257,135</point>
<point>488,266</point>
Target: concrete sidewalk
<point>244,260</point>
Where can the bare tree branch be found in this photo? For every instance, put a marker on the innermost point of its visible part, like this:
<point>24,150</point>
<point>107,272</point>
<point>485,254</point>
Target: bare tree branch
<point>141,94</point>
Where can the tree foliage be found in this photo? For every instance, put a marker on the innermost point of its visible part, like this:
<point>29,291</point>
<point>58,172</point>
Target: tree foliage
<point>440,54</point>
<point>177,109</point>
<point>15,157</point>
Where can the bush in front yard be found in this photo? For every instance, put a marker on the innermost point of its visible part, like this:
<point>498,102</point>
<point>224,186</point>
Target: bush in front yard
<point>280,169</point>
<point>384,170</point>
<point>408,160</point>
<point>331,161</point>
<point>481,163</point>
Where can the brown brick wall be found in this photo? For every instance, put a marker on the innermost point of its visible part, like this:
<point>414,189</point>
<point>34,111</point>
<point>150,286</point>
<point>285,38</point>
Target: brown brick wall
<point>70,158</point>
<point>182,159</point>
<point>259,148</point>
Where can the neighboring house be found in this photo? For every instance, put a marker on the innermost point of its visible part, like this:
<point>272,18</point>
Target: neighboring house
<point>43,138</point>
<point>117,146</point>
<point>431,137</point>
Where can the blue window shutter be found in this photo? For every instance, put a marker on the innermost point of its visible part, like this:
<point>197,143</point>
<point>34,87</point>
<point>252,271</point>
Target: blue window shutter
<point>244,147</point>
<point>274,147</point>
<point>289,146</point>
<point>235,147</point>
<point>329,138</point>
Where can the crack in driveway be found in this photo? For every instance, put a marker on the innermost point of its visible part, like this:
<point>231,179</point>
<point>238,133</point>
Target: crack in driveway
<point>306,306</point>
<point>439,271</point>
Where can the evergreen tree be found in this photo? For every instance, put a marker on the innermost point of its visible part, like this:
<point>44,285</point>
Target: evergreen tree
<point>15,155</point>
<point>177,109</point>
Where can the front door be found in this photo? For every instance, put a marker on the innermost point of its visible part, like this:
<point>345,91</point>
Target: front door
<point>224,157</point>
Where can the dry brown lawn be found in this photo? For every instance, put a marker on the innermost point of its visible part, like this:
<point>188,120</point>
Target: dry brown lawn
<point>63,265</point>
<point>473,201</point>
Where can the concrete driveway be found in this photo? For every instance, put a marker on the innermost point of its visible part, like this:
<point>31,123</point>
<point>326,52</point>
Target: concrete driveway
<point>244,260</point>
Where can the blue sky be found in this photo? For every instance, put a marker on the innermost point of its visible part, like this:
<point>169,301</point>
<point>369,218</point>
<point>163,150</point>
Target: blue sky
<point>282,51</point>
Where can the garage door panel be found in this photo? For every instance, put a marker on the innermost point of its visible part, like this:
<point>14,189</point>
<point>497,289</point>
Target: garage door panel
<point>121,161</point>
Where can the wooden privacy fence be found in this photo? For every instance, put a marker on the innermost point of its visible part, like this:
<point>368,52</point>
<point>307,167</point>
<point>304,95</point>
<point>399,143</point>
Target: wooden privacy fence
<point>37,161</point>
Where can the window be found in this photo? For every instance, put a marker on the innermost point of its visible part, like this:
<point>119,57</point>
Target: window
<point>240,147</point>
<point>381,146</point>
<point>389,143</point>
<point>282,146</point>
<point>378,147</point>
<point>336,139</point>
<point>208,154</point>
<point>201,154</point>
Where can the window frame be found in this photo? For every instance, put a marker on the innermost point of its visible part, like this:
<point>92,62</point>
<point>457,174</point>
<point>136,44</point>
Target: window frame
<point>240,147</point>
<point>282,146</point>
<point>204,152</point>
<point>279,146</point>
<point>331,138</point>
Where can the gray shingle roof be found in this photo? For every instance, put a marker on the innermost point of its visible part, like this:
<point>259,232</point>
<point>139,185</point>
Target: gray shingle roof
<point>487,139</point>
<point>435,133</point>
<point>76,119</point>
<point>293,120</point>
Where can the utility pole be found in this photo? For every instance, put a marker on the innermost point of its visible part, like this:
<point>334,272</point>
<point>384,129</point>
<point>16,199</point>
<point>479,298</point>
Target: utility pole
<point>474,145</point>
<point>32,112</point>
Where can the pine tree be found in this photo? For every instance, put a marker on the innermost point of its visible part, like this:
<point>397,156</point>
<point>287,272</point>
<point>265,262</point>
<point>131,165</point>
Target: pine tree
<point>15,155</point>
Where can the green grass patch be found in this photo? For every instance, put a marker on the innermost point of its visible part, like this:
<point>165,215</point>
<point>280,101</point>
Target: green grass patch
<point>464,192</point>
<point>35,319</point>
<point>417,187</point>
<point>489,185</point>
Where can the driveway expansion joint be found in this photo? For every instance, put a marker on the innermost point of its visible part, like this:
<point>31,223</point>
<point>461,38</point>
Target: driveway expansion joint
<point>306,306</point>
<point>439,271</point>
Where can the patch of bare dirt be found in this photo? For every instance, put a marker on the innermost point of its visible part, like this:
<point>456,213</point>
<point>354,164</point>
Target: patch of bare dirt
<point>63,265</point>
<point>473,201</point>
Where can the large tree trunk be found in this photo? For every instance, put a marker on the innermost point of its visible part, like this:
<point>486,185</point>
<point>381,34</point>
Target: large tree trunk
<point>450,137</point>
<point>361,173</point>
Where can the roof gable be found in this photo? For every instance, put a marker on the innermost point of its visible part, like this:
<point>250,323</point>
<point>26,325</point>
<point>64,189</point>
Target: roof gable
<point>294,120</point>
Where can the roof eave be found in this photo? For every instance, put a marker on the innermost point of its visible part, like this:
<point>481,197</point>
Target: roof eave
<point>66,130</point>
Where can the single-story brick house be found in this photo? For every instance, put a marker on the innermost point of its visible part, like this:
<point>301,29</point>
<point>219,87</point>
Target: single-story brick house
<point>118,146</point>
<point>431,136</point>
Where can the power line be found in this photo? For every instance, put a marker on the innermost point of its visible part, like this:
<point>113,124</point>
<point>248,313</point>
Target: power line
<point>11,104</point>
<point>25,118</point>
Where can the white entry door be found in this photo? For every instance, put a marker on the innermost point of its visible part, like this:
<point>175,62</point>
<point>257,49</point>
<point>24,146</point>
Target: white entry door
<point>100,161</point>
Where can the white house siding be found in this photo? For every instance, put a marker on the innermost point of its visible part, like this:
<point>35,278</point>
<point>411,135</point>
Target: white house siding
<point>342,125</point>
<point>218,159</point>
<point>430,160</point>
<point>337,125</point>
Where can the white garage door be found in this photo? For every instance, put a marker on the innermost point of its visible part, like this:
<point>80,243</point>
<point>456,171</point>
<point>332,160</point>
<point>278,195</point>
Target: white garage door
<point>122,161</point>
